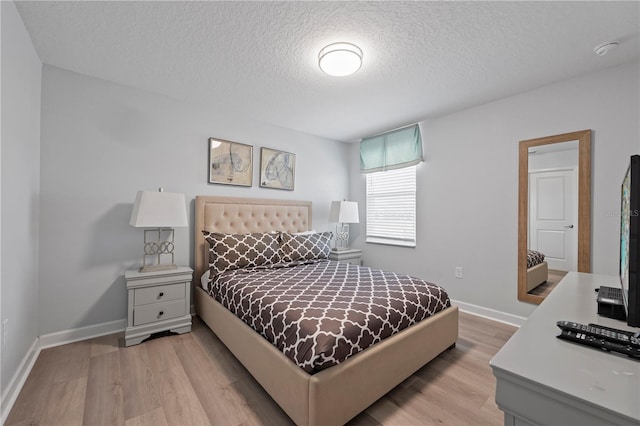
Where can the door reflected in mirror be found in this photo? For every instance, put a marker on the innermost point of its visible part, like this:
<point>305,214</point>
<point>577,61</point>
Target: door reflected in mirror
<point>554,212</point>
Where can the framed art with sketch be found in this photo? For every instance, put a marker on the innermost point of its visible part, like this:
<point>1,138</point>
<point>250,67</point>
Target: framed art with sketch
<point>230,163</point>
<point>277,169</point>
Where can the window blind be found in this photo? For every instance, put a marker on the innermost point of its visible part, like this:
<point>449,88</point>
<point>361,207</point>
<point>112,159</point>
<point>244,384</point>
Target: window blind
<point>391,207</point>
<point>391,150</point>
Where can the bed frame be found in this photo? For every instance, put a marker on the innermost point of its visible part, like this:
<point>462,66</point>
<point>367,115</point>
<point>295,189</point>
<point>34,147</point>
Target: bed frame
<point>536,275</point>
<point>337,394</point>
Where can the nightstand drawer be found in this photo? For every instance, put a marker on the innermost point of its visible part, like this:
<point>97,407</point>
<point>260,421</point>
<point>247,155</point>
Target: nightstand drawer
<point>147,295</point>
<point>158,312</point>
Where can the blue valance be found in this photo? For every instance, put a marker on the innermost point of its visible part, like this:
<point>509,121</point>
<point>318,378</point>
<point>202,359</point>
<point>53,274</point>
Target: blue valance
<point>392,150</point>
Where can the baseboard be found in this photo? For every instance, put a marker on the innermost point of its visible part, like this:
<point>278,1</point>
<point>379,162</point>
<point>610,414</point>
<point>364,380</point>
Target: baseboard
<point>82,333</point>
<point>17,381</point>
<point>489,313</point>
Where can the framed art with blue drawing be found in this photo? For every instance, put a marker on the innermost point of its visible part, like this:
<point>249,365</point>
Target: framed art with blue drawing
<point>277,169</point>
<point>230,163</point>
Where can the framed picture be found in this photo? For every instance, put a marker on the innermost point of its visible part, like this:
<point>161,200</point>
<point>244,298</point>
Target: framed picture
<point>230,163</point>
<point>277,169</point>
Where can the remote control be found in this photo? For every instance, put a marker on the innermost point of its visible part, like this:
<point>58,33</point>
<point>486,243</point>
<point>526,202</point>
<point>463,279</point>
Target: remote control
<point>610,334</point>
<point>630,333</point>
<point>599,343</point>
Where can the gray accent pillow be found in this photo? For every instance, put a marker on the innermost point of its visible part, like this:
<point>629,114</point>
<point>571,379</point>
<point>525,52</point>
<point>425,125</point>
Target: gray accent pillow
<point>236,251</point>
<point>305,247</point>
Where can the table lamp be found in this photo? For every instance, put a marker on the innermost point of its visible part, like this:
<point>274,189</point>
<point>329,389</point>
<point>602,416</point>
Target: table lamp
<point>161,212</point>
<point>344,213</point>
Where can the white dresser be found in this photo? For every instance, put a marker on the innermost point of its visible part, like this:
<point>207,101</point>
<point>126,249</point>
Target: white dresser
<point>157,301</point>
<point>547,381</point>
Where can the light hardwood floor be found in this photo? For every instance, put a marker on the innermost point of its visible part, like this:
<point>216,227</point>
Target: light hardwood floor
<point>192,379</point>
<point>553,278</point>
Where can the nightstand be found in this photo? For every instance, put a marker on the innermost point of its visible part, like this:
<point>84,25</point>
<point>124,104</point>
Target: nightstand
<point>348,255</point>
<point>158,301</point>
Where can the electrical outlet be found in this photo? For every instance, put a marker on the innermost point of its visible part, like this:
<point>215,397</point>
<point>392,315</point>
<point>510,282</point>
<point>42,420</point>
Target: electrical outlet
<point>458,272</point>
<point>5,330</point>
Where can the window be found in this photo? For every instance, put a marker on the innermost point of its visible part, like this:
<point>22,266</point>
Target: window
<point>391,207</point>
<point>389,162</point>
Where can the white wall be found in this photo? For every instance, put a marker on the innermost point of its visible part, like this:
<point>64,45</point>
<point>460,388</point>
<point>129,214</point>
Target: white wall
<point>20,171</point>
<point>554,160</point>
<point>102,142</point>
<point>468,185</point>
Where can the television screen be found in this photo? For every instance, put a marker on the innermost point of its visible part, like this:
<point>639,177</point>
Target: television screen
<point>630,241</point>
<point>625,201</point>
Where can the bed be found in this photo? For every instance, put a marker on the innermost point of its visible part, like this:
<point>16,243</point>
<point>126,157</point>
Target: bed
<point>336,394</point>
<point>537,269</point>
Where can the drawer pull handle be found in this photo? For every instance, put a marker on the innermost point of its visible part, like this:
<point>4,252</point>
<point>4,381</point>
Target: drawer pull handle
<point>161,313</point>
<point>161,294</point>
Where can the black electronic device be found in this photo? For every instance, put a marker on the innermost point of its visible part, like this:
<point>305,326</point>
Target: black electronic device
<point>630,241</point>
<point>611,303</point>
<point>603,338</point>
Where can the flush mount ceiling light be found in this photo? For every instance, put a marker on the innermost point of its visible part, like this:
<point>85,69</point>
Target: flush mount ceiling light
<point>340,59</point>
<point>604,48</point>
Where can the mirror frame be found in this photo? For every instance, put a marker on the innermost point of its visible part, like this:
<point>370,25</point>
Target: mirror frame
<point>584,205</point>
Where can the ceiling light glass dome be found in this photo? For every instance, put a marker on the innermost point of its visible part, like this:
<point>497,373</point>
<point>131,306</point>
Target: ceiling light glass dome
<point>340,59</point>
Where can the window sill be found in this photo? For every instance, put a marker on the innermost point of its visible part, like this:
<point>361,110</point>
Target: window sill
<point>386,242</point>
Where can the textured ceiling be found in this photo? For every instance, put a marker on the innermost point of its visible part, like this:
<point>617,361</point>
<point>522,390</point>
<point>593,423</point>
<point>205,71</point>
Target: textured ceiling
<point>421,59</point>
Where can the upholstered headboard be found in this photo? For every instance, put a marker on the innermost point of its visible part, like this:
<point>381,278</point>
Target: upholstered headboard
<point>243,215</point>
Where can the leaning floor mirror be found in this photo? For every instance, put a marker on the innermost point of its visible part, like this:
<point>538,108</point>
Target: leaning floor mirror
<point>554,211</point>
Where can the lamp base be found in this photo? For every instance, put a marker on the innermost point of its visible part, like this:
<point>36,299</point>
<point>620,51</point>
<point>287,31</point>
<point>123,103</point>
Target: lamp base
<point>342,236</point>
<point>155,268</point>
<point>157,248</point>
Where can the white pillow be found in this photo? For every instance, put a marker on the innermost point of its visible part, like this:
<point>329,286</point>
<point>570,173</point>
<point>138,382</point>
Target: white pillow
<point>309,232</point>
<point>204,280</point>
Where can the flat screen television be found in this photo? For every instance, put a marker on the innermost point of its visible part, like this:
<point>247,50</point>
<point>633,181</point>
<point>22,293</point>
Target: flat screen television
<point>630,241</point>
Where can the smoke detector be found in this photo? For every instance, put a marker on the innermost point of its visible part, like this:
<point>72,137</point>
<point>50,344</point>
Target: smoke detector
<point>604,48</point>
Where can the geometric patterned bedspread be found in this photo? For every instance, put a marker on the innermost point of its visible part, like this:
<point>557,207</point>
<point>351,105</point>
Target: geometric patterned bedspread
<point>322,312</point>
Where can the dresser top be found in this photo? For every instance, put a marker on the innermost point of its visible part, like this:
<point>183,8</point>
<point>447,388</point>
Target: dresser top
<point>534,354</point>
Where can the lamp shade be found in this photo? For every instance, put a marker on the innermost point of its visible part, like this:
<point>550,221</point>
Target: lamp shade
<point>344,212</point>
<point>159,210</point>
